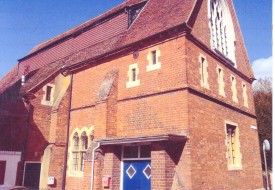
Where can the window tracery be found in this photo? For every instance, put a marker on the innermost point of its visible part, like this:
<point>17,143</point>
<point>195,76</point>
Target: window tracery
<point>222,31</point>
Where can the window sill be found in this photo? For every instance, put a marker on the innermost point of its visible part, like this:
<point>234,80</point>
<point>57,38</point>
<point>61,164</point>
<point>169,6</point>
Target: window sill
<point>72,173</point>
<point>222,94</point>
<point>206,86</point>
<point>47,103</point>
<point>235,101</point>
<point>131,84</point>
<point>151,67</point>
<point>235,168</point>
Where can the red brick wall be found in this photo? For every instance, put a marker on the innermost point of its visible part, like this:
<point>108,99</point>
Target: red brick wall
<point>74,183</point>
<point>39,128</point>
<point>172,72</point>
<point>153,115</point>
<point>87,84</point>
<point>148,110</point>
<point>112,109</point>
<point>39,134</point>
<point>87,175</point>
<point>112,166</point>
<point>98,169</point>
<point>202,32</point>
<point>193,76</point>
<point>208,152</point>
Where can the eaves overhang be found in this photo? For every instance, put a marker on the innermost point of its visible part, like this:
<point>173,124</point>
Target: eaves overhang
<point>142,139</point>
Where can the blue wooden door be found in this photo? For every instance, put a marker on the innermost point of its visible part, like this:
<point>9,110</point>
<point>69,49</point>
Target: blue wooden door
<point>137,175</point>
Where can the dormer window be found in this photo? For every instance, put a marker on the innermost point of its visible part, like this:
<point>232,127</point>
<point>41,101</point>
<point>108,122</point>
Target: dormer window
<point>133,12</point>
<point>222,30</point>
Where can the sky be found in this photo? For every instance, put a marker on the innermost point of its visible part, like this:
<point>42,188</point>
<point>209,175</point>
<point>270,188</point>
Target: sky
<point>27,23</point>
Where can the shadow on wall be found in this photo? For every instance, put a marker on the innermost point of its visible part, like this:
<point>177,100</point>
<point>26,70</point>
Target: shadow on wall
<point>18,128</point>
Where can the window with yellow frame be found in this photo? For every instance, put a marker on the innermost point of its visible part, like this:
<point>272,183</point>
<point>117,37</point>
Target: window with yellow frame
<point>79,143</point>
<point>233,147</point>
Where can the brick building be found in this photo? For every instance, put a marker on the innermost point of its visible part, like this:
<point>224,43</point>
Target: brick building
<point>149,95</point>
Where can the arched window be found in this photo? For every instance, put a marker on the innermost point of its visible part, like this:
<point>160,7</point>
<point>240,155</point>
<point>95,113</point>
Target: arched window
<point>79,144</point>
<point>84,146</point>
<point>91,138</point>
<point>75,151</point>
<point>84,141</point>
<point>222,30</point>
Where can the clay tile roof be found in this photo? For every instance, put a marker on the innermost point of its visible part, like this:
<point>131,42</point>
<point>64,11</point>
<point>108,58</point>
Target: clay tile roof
<point>9,79</point>
<point>83,25</point>
<point>156,16</point>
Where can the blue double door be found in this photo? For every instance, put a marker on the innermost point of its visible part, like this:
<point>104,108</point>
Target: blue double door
<point>137,175</point>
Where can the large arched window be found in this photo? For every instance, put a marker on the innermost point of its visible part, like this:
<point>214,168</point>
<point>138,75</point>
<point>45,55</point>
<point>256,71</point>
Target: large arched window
<point>222,30</point>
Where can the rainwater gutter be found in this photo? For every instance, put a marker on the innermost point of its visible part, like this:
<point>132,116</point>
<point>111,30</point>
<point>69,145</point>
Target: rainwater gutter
<point>93,163</point>
<point>67,136</point>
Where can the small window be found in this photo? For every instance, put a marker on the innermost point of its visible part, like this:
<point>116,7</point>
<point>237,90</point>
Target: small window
<point>154,57</point>
<point>245,97</point>
<point>145,151</point>
<point>220,81</point>
<point>133,73</point>
<point>231,144</point>
<point>234,89</point>
<point>203,71</point>
<point>130,152</point>
<point>233,147</point>
<point>48,95</point>
<point>139,152</point>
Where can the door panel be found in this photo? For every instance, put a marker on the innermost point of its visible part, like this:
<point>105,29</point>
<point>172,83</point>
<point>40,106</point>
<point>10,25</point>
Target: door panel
<point>137,175</point>
<point>32,175</point>
<point>2,171</point>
